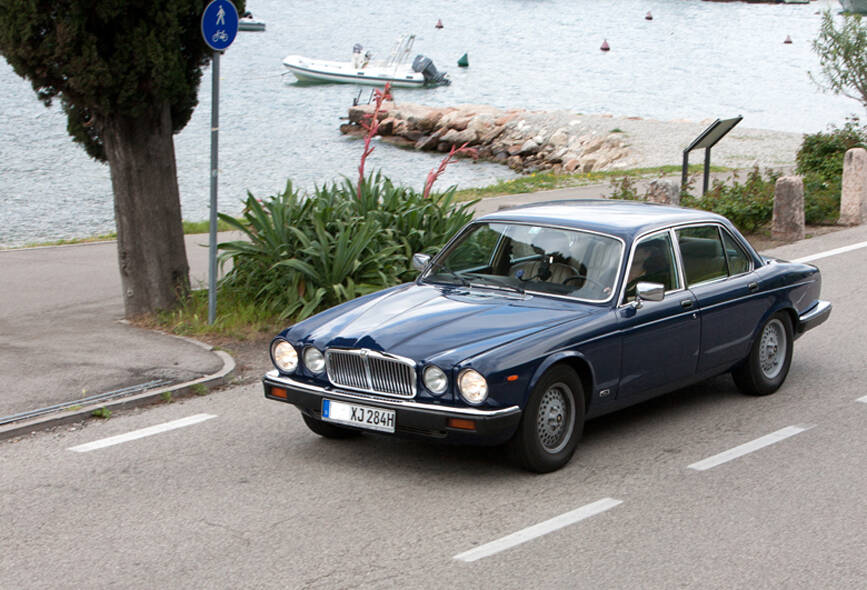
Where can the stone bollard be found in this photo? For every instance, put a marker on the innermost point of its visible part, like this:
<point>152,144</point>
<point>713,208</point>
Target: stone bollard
<point>853,198</point>
<point>665,192</point>
<point>788,221</point>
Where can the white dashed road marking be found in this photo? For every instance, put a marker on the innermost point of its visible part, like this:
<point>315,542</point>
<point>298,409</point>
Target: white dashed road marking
<point>136,434</point>
<point>754,445</point>
<point>537,530</point>
<point>833,252</point>
<point>863,400</point>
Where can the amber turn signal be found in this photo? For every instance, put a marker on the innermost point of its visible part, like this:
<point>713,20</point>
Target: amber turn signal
<point>278,392</point>
<point>462,423</point>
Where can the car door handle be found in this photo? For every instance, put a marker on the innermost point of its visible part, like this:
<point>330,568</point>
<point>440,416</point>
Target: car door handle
<point>753,287</point>
<point>686,303</point>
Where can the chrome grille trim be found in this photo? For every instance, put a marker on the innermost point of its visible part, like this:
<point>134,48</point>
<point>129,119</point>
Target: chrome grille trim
<point>371,371</point>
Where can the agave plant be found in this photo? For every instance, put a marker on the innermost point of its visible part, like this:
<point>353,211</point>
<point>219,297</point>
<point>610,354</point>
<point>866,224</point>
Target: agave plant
<point>340,263</point>
<point>304,253</point>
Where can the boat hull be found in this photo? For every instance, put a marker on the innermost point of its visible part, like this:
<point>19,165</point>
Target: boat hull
<point>312,70</point>
<point>855,6</point>
<point>245,24</point>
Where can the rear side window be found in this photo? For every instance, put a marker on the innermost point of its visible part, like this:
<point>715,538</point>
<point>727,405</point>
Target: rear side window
<point>738,260</point>
<point>704,258</point>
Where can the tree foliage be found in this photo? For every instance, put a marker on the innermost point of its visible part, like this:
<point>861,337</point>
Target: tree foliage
<point>127,74</point>
<point>843,56</point>
<point>104,58</point>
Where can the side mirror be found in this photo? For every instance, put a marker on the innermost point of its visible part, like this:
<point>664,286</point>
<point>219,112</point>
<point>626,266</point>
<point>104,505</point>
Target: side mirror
<point>420,261</point>
<point>648,292</point>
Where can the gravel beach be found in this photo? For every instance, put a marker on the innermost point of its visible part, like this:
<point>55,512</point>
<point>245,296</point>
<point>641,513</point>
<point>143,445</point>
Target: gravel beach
<point>560,140</point>
<point>659,143</point>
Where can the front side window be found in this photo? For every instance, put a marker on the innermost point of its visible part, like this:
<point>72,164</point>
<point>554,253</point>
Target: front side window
<point>704,258</point>
<point>652,262</point>
<point>537,258</point>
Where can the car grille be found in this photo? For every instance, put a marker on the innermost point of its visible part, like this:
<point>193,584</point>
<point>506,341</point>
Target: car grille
<point>371,371</point>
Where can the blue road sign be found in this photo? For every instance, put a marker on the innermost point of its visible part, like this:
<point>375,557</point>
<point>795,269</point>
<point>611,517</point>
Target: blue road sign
<point>219,24</point>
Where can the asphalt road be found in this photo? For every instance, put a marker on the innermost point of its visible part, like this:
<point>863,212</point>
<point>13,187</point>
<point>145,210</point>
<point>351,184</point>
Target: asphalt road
<point>63,337</point>
<point>246,497</point>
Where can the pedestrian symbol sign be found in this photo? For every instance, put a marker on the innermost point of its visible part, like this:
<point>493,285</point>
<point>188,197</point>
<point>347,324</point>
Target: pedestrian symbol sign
<point>219,24</point>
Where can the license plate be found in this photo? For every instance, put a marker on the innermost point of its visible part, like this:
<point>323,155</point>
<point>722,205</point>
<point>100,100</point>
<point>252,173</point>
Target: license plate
<point>359,416</point>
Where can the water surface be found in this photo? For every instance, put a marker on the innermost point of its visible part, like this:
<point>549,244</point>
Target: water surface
<point>695,60</point>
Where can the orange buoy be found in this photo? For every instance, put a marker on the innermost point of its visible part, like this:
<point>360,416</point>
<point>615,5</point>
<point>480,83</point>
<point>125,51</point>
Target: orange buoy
<point>788,40</point>
<point>439,24</point>
<point>648,16</point>
<point>605,46</point>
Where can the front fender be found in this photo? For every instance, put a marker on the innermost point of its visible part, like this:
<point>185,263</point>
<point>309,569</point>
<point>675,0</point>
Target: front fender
<point>570,357</point>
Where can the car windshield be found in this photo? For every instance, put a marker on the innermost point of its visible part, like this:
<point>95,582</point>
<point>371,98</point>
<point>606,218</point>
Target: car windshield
<point>523,257</point>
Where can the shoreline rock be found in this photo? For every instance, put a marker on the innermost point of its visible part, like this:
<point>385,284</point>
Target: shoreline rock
<point>609,142</point>
<point>525,141</point>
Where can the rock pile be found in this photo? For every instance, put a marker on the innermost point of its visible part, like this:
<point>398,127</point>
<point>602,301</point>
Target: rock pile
<point>523,140</point>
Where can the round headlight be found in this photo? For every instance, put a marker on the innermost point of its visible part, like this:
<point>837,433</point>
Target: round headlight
<point>434,379</point>
<point>472,386</point>
<point>284,355</point>
<point>314,360</point>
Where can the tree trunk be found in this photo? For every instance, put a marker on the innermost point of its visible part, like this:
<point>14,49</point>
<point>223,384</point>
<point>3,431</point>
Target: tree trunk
<point>150,239</point>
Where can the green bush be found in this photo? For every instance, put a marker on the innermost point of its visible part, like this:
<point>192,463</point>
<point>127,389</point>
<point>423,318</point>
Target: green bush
<point>624,189</point>
<point>749,205</point>
<point>306,253</point>
<point>820,163</point>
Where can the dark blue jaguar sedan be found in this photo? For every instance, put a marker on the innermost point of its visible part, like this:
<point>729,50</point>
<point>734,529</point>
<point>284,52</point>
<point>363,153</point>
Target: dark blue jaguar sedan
<point>534,319</point>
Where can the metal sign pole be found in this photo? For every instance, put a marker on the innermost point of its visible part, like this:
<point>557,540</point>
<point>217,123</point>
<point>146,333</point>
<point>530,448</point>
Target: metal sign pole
<point>215,130</point>
<point>219,27</point>
<point>706,182</point>
<point>685,170</point>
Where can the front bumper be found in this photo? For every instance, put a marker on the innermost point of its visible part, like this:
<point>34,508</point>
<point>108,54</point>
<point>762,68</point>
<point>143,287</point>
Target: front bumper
<point>814,316</point>
<point>413,419</point>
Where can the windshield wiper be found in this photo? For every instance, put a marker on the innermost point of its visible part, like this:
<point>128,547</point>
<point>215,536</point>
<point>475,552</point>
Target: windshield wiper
<point>497,282</point>
<point>463,282</point>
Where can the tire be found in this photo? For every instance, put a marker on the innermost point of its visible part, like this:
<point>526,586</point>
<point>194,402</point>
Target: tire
<point>552,422</point>
<point>329,430</point>
<point>766,368</point>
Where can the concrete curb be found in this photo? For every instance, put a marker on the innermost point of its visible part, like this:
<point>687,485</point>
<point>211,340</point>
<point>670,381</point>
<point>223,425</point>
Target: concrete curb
<point>179,390</point>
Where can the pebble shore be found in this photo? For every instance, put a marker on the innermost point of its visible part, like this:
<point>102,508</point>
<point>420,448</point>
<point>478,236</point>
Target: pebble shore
<point>562,141</point>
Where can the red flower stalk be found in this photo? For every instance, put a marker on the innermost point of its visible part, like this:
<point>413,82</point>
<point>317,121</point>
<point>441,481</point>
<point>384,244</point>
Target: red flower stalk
<point>449,159</point>
<point>372,128</point>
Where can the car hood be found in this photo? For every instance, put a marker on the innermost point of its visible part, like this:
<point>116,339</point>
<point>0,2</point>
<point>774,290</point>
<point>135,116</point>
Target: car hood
<point>431,323</point>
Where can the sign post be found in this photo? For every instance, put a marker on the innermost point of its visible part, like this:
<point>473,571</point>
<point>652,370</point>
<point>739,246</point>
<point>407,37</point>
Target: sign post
<point>219,27</point>
<point>706,139</point>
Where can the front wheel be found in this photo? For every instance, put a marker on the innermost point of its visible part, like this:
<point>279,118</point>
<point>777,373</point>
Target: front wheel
<point>764,371</point>
<point>552,422</point>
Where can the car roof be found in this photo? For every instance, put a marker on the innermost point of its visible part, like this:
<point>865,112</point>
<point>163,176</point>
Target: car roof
<point>624,219</point>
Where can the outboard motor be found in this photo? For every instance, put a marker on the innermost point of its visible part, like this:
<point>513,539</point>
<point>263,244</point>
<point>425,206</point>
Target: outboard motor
<point>433,77</point>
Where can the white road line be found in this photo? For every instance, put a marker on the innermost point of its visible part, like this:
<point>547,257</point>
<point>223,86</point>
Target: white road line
<point>863,400</point>
<point>537,530</point>
<point>833,252</point>
<point>749,447</point>
<point>136,434</point>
